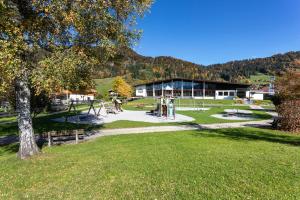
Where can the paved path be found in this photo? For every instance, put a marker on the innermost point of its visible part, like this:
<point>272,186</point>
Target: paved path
<point>157,129</point>
<point>5,140</point>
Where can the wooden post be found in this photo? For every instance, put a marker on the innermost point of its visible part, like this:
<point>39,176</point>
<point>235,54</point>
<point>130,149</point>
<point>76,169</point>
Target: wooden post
<point>76,136</point>
<point>50,140</point>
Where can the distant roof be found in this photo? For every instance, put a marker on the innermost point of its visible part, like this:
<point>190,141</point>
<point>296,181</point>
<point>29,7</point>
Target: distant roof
<point>196,80</point>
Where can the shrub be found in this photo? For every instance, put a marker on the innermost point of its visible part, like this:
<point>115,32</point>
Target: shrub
<point>289,113</point>
<point>238,101</point>
<point>258,102</point>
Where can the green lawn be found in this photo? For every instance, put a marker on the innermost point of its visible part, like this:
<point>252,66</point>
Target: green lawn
<point>244,163</point>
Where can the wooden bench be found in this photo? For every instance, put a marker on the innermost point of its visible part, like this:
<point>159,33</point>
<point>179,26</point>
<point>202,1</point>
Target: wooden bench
<point>63,134</point>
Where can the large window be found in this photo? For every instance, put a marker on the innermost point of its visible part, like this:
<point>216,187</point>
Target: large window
<point>209,93</point>
<point>198,85</point>
<point>149,90</point>
<point>187,88</point>
<point>210,86</point>
<point>157,86</point>
<point>177,93</point>
<point>158,93</point>
<point>198,93</point>
<point>187,85</point>
<point>177,85</point>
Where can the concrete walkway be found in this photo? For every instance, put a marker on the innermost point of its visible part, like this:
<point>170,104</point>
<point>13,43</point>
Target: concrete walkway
<point>5,140</point>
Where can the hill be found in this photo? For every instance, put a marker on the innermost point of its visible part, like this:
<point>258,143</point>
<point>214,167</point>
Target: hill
<point>137,68</point>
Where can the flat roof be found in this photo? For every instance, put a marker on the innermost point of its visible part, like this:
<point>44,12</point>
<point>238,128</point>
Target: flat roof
<point>196,80</point>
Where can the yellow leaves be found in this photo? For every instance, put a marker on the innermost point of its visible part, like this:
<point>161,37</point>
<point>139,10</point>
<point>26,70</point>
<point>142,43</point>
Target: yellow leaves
<point>121,87</point>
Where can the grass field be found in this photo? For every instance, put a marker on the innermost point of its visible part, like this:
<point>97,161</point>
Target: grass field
<point>244,163</point>
<point>260,79</point>
<point>103,85</point>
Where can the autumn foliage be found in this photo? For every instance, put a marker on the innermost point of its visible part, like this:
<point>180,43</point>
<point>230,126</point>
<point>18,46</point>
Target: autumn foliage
<point>287,101</point>
<point>121,87</point>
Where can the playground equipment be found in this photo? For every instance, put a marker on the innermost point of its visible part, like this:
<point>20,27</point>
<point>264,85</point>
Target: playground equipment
<point>117,103</point>
<point>165,107</point>
<point>102,109</point>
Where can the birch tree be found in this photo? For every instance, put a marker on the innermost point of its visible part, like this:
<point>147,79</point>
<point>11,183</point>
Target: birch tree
<point>26,26</point>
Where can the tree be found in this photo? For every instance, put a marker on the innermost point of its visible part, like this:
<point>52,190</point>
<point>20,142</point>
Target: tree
<point>27,26</point>
<point>121,87</point>
<point>287,101</point>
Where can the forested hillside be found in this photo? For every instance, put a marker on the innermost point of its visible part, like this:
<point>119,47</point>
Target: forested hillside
<point>137,68</point>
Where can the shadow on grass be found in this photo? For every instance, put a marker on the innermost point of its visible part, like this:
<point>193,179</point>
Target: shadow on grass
<point>254,134</point>
<point>9,149</point>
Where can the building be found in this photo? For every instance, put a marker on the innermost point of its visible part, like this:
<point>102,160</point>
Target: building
<point>188,88</point>
<point>68,95</point>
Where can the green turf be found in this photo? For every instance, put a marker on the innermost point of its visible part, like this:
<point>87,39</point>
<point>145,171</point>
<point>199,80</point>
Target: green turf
<point>244,163</point>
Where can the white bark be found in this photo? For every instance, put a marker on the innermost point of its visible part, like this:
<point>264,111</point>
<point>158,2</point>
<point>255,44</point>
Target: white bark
<point>28,146</point>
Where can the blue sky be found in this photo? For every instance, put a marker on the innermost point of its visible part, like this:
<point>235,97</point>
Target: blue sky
<point>217,31</point>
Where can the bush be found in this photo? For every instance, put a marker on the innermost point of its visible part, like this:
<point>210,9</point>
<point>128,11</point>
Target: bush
<point>289,114</point>
<point>238,101</point>
<point>258,102</point>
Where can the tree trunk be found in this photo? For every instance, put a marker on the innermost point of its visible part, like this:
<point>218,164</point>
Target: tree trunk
<point>28,146</point>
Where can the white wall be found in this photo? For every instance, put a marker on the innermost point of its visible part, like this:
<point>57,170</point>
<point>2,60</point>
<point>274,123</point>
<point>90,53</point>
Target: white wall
<point>81,97</point>
<point>225,94</point>
<point>255,95</point>
<point>140,91</point>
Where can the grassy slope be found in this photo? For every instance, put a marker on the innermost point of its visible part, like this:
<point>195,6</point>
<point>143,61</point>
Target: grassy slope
<point>260,79</point>
<point>103,85</point>
<point>244,163</point>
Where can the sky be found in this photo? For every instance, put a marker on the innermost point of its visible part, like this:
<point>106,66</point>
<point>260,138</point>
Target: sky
<point>217,31</point>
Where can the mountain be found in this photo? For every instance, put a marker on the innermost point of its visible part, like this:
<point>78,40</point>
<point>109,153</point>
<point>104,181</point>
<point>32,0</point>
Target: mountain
<point>137,68</point>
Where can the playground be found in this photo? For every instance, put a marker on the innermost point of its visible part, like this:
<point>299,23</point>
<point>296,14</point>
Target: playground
<point>138,116</point>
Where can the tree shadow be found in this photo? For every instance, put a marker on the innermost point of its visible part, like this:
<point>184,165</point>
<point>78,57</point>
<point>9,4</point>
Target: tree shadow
<point>9,149</point>
<point>251,134</point>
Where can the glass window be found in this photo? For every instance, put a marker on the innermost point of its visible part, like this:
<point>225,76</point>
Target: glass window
<point>209,93</point>
<point>149,87</point>
<point>177,85</point>
<point>220,93</point>
<point>198,93</point>
<point>198,85</point>
<point>187,93</point>
<point>231,94</point>
<point>149,93</point>
<point>187,85</point>
<point>157,86</point>
<point>211,86</point>
<point>177,93</point>
<point>158,93</point>
<point>225,93</point>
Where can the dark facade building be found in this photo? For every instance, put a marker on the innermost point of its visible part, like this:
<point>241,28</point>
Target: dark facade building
<point>188,88</point>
